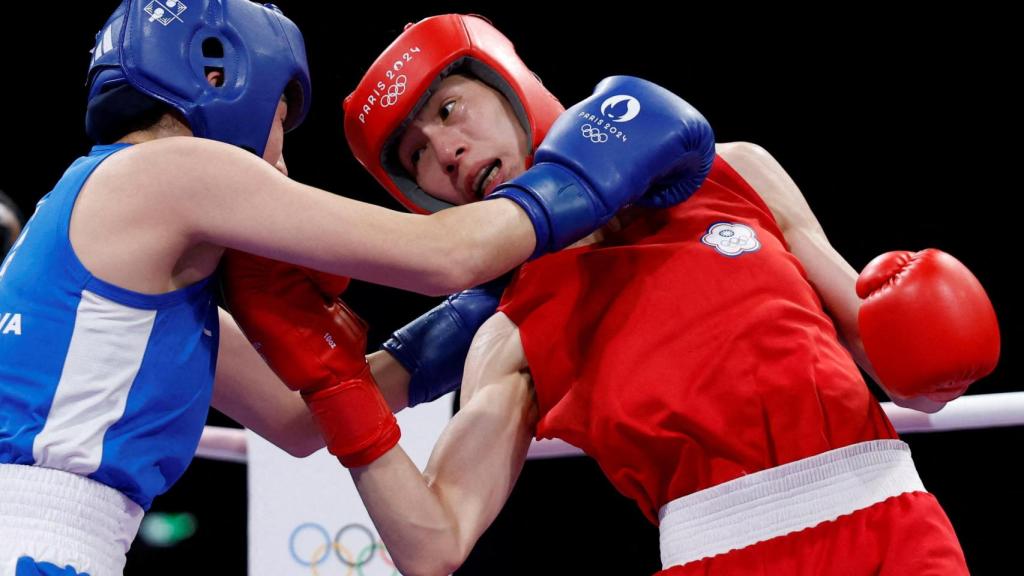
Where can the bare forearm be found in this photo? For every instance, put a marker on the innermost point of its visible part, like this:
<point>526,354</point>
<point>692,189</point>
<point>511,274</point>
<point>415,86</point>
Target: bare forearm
<point>493,237</point>
<point>437,254</point>
<point>430,522</point>
<point>246,390</point>
<point>834,280</point>
<point>442,253</point>
<point>392,378</point>
<point>420,534</point>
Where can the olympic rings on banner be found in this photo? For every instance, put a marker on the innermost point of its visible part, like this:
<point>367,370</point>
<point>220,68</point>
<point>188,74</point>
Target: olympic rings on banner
<point>344,545</point>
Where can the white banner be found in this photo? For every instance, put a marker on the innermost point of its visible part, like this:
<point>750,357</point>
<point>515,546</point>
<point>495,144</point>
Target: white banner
<point>305,516</point>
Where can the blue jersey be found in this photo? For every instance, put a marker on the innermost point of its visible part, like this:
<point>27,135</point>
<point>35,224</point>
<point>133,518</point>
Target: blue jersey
<point>95,379</point>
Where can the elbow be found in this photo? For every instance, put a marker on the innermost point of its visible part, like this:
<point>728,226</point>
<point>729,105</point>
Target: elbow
<point>302,450</point>
<point>431,565</point>
<point>919,403</point>
<point>434,569</point>
<point>437,554</point>
<point>439,551</point>
<point>304,440</point>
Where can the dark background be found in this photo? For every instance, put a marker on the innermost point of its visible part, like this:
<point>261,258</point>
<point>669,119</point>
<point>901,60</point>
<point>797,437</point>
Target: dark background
<point>899,129</point>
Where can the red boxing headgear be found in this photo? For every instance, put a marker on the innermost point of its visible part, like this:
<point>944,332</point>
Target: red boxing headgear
<point>401,80</point>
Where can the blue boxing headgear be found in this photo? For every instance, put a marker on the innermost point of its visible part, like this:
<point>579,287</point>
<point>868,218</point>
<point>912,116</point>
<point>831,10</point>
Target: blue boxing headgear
<point>162,50</point>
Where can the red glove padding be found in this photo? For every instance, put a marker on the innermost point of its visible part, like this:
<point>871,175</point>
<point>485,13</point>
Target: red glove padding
<point>926,323</point>
<point>316,345</point>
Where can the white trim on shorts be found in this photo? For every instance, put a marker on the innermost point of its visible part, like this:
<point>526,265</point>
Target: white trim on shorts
<point>784,499</point>
<point>64,519</point>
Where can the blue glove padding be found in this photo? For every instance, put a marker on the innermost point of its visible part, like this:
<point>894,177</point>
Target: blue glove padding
<point>629,138</point>
<point>433,347</point>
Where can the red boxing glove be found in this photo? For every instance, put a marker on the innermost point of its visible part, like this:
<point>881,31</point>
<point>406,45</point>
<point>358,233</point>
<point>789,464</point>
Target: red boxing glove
<point>316,345</point>
<point>927,325</point>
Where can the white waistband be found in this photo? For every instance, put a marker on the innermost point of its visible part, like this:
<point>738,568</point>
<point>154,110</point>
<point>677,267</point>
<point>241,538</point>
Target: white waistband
<point>784,499</point>
<point>65,519</point>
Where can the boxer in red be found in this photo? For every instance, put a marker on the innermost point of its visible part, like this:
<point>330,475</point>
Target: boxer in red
<point>705,355</point>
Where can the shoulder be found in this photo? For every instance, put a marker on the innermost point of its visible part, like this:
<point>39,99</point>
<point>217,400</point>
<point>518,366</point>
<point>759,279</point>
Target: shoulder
<point>771,182</point>
<point>747,157</point>
<point>173,169</point>
<point>180,157</point>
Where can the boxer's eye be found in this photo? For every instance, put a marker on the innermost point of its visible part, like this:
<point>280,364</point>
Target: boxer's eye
<point>446,109</point>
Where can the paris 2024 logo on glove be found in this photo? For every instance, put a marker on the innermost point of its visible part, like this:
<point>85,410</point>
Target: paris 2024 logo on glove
<point>619,108</point>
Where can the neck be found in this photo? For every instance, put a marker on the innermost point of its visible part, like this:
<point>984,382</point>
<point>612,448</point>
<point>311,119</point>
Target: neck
<point>168,125</point>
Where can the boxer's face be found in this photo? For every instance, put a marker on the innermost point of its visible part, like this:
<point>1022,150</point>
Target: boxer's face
<point>465,141</point>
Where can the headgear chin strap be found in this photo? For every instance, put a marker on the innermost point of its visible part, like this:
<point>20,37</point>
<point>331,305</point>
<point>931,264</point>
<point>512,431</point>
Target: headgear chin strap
<point>164,50</point>
<point>400,81</point>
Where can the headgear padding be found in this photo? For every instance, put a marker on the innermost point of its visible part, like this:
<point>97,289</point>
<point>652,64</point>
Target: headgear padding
<point>164,50</point>
<point>401,80</point>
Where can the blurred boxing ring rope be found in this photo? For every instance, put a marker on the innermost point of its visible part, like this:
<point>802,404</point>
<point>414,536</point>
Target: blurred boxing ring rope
<point>964,413</point>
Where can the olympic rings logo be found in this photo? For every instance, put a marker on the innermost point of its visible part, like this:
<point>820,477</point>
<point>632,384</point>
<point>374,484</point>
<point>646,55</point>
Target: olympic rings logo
<point>595,135</point>
<point>394,91</point>
<point>354,545</point>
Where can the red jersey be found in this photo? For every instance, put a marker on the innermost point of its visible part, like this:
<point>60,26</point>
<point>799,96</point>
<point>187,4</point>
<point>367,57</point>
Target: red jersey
<point>688,349</point>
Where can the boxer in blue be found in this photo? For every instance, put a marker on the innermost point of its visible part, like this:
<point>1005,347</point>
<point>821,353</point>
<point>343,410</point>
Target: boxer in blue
<point>112,348</point>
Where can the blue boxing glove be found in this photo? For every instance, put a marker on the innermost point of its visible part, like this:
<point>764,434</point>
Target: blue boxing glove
<point>433,347</point>
<point>629,138</point>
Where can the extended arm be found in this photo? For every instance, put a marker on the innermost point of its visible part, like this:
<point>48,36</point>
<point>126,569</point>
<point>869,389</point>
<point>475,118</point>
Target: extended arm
<point>431,521</point>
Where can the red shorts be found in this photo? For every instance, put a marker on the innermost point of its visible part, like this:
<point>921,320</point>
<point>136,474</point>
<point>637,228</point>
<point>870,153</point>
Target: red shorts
<point>901,536</point>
